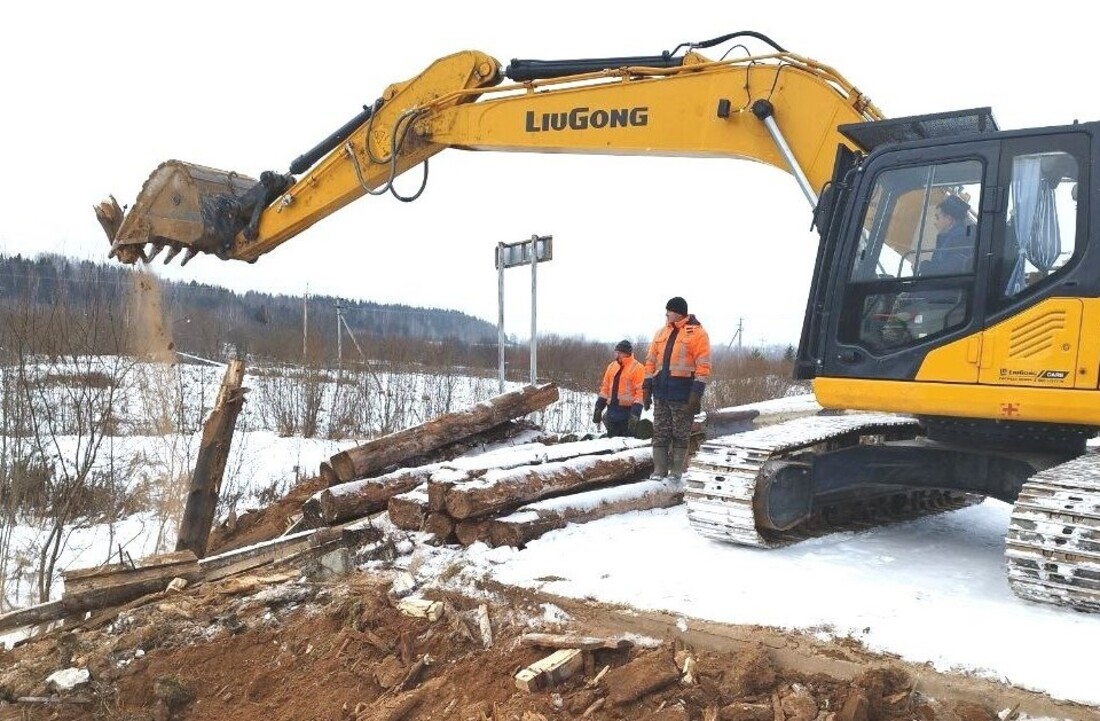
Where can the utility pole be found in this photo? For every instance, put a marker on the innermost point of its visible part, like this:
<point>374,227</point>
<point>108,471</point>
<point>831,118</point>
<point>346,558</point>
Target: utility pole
<point>305,320</point>
<point>339,335</point>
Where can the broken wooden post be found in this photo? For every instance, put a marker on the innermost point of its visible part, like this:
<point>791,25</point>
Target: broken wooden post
<point>381,453</point>
<point>206,481</point>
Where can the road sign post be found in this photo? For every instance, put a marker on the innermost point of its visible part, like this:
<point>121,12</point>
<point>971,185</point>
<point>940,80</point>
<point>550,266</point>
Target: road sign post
<point>509,255</point>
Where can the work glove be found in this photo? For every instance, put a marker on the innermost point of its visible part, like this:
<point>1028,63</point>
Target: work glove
<point>695,402</point>
<point>597,412</point>
<point>647,399</point>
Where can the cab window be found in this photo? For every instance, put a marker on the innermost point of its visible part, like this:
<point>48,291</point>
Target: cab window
<point>912,274</point>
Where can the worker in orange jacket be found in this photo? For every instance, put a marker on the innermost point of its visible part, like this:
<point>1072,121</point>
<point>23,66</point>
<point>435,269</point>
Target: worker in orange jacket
<point>621,393</point>
<point>676,372</point>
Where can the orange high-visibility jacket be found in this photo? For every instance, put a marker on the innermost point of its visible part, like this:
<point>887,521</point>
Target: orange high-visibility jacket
<point>679,360</point>
<point>629,391</point>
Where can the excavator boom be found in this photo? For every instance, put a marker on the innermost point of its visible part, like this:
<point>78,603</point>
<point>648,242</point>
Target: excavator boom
<point>752,108</point>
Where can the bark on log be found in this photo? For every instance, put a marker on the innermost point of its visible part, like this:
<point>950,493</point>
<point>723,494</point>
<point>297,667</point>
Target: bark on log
<point>348,501</point>
<point>408,510</point>
<point>372,457</point>
<point>206,481</point>
<point>470,532</point>
<point>510,489</point>
<point>533,520</point>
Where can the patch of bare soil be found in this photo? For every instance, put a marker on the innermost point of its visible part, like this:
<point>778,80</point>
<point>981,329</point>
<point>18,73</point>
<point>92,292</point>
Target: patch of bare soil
<point>282,648</point>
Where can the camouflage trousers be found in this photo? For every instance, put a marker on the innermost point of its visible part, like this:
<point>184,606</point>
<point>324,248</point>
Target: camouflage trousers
<point>671,423</point>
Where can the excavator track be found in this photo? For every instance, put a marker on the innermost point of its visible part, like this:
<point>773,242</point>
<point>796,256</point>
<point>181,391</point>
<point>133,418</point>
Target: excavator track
<point>1053,544</point>
<point>723,478</point>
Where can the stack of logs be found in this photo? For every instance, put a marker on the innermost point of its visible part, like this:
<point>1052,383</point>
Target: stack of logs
<point>503,497</point>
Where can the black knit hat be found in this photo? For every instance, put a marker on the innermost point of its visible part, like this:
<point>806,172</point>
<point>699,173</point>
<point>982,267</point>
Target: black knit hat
<point>624,346</point>
<point>677,305</point>
<point>954,207</point>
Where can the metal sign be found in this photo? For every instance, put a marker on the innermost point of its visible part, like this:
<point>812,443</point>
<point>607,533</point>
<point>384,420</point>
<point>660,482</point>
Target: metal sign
<point>513,254</point>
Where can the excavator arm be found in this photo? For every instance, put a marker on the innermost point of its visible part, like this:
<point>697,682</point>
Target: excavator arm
<point>781,109</point>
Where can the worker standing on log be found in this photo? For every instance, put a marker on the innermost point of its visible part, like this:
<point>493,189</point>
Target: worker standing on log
<point>621,393</point>
<point>676,372</point>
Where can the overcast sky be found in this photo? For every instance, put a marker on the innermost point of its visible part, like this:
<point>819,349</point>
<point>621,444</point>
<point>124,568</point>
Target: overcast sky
<point>95,95</point>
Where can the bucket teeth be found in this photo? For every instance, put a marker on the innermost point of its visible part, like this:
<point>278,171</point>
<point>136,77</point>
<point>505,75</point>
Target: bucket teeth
<point>173,251</point>
<point>191,253</point>
<point>149,256</point>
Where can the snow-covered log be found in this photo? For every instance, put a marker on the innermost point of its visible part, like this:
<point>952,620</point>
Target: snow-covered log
<point>346,501</point>
<point>393,449</point>
<point>535,519</point>
<point>460,470</point>
<point>501,490</point>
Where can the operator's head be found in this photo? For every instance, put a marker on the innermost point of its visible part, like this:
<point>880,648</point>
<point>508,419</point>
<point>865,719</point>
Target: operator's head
<point>676,309</point>
<point>623,349</point>
<point>952,210</point>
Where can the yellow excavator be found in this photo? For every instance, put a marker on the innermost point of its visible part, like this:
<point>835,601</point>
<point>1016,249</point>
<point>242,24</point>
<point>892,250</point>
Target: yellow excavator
<point>954,300</point>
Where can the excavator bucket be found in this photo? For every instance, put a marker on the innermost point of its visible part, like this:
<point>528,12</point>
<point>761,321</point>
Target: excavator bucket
<point>181,207</point>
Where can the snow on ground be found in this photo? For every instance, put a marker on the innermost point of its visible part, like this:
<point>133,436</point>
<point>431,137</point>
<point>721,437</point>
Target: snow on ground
<point>932,590</point>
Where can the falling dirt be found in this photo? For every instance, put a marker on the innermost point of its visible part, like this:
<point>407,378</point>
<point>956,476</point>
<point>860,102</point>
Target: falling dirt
<point>151,332</point>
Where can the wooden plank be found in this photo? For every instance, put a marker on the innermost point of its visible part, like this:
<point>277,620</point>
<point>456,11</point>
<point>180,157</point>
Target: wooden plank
<point>551,670</point>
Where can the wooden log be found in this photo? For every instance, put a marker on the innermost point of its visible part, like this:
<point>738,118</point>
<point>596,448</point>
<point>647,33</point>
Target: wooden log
<point>533,520</point>
<point>348,501</point>
<point>439,525</point>
<point>509,489</point>
<point>165,565</point>
<point>293,547</point>
<point>584,643</point>
<point>470,532</point>
<point>206,480</point>
<point>461,470</point>
<point>106,586</point>
<point>408,510</point>
<point>393,449</point>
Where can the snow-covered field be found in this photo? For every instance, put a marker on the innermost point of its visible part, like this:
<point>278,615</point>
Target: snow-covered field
<point>931,591</point>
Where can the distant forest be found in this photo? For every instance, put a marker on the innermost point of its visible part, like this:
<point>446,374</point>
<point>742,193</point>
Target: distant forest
<point>209,321</point>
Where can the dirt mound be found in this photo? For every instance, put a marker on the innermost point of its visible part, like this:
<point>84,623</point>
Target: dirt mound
<point>283,648</point>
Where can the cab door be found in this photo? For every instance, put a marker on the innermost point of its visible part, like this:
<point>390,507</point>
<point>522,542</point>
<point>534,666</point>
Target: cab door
<point>1040,298</point>
<point>908,284</point>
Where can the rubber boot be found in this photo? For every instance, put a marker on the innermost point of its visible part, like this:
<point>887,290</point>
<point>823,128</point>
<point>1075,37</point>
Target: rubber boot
<point>678,464</point>
<point>660,462</point>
